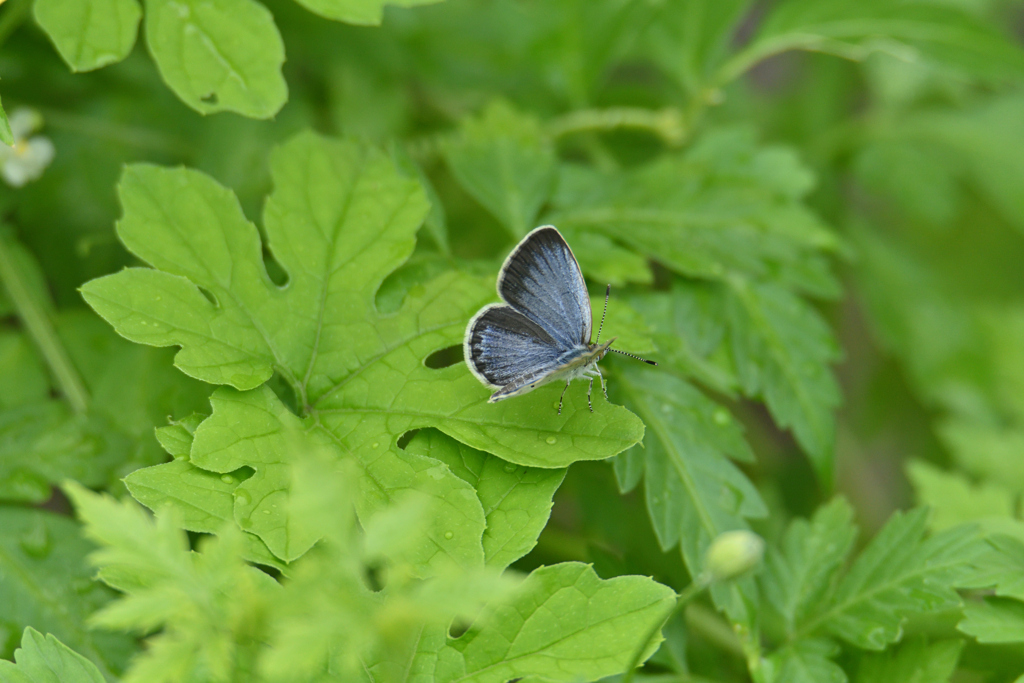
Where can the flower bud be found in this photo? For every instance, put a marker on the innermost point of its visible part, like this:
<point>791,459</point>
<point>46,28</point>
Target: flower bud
<point>733,554</point>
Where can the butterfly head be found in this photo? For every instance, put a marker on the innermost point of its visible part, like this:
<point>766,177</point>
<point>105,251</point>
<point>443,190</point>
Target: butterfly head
<point>598,351</point>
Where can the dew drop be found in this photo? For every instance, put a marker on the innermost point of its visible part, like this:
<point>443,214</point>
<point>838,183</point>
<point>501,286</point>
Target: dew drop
<point>551,439</point>
<point>449,535</point>
<point>374,444</point>
<point>266,512</point>
<point>242,497</point>
<point>227,479</point>
<point>509,467</point>
<point>721,416</point>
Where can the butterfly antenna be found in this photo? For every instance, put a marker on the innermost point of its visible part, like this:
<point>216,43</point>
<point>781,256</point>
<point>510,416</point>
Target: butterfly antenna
<point>607,294</point>
<point>635,357</point>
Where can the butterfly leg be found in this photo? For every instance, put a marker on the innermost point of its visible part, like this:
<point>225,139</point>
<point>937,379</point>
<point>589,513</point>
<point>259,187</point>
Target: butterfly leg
<point>563,396</point>
<point>604,385</point>
<point>590,389</point>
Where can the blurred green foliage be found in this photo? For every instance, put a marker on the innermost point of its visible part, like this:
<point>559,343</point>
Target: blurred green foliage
<point>812,216</point>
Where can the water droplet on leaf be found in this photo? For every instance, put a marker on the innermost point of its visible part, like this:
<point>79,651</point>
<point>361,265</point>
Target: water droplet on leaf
<point>227,479</point>
<point>242,497</point>
<point>551,439</point>
<point>449,535</point>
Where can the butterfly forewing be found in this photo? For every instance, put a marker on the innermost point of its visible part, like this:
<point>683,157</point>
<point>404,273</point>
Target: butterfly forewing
<point>502,344</point>
<point>542,280</point>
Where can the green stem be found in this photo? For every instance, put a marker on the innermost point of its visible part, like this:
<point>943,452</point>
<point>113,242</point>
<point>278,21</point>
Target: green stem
<point>710,625</point>
<point>32,312</point>
<point>689,593</point>
<point>668,124</point>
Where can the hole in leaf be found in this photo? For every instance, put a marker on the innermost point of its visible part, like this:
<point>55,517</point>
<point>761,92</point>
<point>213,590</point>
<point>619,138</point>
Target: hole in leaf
<point>277,274</point>
<point>209,98</point>
<point>458,628</point>
<point>444,358</point>
<point>209,297</point>
<point>374,576</point>
<point>241,474</point>
<point>272,572</point>
<point>404,439</point>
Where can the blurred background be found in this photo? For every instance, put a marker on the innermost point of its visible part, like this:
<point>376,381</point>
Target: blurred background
<point>911,153</point>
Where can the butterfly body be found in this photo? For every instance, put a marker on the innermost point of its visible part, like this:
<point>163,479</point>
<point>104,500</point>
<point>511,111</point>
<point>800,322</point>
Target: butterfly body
<point>541,333</point>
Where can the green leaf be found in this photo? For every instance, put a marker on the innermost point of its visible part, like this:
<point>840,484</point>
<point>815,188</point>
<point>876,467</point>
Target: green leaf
<point>899,572</point>
<point>914,661</point>
<point>954,500</point>
<point>527,634</point>
<point>254,429</point>
<point>801,572</point>
<point>104,433</point>
<point>504,161</point>
<point>855,28</point>
<point>244,428</point>
<point>987,452</point>
<point>994,620</point>
<point>690,40</point>
<point>45,581</point>
<point>602,260</point>
<point>978,143</point>
<point>218,55</point>
<point>209,603</point>
<point>23,372</point>
<point>362,12</point>
<point>516,500</point>
<point>688,325</point>
<point>90,34</point>
<point>694,492</point>
<point>42,659</point>
<point>1000,567</point>
<point>42,443</point>
<point>806,661</point>
<point>341,218</point>
<point>6,135</point>
<point>782,349</point>
<point>201,501</point>
<point>726,207</point>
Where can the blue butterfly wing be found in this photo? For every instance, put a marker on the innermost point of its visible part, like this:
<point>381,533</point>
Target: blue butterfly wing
<point>542,280</point>
<point>502,346</point>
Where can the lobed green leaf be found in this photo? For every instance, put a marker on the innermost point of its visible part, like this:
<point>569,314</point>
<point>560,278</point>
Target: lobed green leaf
<point>516,500</point>
<point>913,661</point>
<point>693,491</point>
<point>42,659</point>
<point>526,634</point>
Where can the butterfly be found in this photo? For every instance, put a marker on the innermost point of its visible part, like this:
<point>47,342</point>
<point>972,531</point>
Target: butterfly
<point>542,332</point>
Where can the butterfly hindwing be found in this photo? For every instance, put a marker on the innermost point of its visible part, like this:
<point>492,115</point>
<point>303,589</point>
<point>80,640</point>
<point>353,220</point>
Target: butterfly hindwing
<point>542,280</point>
<point>502,345</point>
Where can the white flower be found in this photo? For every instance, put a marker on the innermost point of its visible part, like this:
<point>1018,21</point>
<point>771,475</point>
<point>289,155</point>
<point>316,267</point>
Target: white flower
<point>26,160</point>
